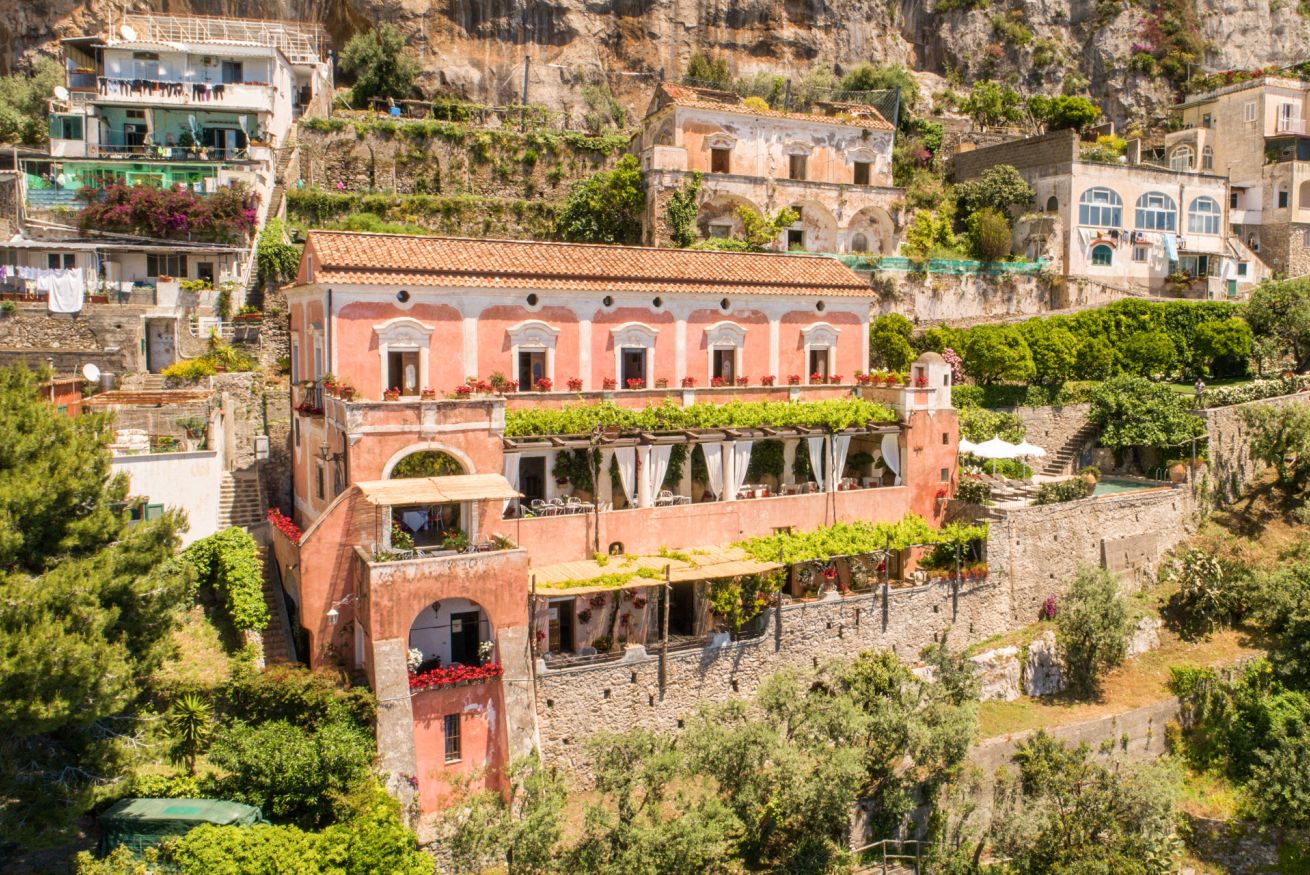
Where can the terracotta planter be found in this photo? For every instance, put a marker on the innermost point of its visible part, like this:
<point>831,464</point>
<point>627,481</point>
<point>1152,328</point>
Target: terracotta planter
<point>1178,473</point>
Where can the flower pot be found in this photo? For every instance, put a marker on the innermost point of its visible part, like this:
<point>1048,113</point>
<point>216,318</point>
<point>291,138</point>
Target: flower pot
<point>1178,473</point>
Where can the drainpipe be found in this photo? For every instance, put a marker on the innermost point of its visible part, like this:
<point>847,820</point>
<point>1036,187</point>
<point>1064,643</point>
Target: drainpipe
<point>327,329</point>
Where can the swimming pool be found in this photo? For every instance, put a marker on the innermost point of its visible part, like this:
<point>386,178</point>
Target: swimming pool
<point>1113,485</point>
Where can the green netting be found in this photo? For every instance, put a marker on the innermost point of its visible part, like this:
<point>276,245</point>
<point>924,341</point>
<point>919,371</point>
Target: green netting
<point>937,265</point>
<point>140,823</point>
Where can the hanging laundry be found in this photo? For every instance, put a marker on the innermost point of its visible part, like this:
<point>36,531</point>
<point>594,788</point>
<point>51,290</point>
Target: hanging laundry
<point>1171,247</point>
<point>66,292</point>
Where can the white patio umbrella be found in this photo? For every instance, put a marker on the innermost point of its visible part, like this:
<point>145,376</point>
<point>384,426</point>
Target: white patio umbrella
<point>996,449</point>
<point>967,446</point>
<point>1025,450</point>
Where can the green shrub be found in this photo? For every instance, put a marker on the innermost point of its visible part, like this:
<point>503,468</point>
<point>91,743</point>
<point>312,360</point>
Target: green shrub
<point>297,695</point>
<point>989,235</point>
<point>189,370</point>
<point>1210,594</point>
<point>979,424</point>
<point>291,772</point>
<point>229,562</point>
<point>973,490</point>
<point>1092,629</point>
<point>1061,491</point>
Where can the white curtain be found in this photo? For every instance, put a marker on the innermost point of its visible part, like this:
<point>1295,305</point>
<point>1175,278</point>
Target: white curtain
<point>627,460</point>
<point>840,444</point>
<point>714,462</point>
<point>658,467</point>
<point>891,455</point>
<point>741,460</point>
<point>816,459</point>
<point>512,475</point>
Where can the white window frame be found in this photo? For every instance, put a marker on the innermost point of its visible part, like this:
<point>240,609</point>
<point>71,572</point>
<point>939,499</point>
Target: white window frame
<point>403,334</point>
<point>295,360</point>
<point>1182,158</point>
<point>725,335</point>
<point>1100,203</point>
<point>1204,222</point>
<point>1248,110</point>
<point>1155,211</point>
<point>532,335</point>
<point>1141,254</point>
<point>820,336</point>
<point>634,335</point>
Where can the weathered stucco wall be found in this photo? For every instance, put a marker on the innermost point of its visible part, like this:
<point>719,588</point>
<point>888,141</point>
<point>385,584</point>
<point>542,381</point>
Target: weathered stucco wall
<point>1033,552</point>
<point>107,336</point>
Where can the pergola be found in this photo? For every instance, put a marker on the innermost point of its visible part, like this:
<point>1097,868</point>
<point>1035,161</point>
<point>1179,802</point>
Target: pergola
<point>727,451</point>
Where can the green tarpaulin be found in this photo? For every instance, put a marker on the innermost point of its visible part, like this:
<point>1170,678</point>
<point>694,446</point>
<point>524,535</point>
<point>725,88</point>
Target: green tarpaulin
<point>140,823</point>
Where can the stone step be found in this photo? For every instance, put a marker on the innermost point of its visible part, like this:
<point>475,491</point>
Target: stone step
<point>277,637</point>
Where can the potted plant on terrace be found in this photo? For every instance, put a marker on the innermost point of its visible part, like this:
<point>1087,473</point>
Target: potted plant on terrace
<point>575,384</point>
<point>391,395</point>
<point>543,384</point>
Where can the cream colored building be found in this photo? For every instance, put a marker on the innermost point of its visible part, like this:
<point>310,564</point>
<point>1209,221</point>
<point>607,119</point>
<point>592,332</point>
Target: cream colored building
<point>834,166</point>
<point>1127,225</point>
<point>1255,133</point>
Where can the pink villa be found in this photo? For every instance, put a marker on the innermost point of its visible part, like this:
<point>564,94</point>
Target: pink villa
<point>467,452</point>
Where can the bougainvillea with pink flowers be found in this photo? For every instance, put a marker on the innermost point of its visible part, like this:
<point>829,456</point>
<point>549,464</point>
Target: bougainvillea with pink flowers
<point>227,215</point>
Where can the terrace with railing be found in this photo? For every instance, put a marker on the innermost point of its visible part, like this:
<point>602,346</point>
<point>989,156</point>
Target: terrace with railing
<point>301,42</point>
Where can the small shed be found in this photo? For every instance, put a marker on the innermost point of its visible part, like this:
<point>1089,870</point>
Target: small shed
<point>140,823</point>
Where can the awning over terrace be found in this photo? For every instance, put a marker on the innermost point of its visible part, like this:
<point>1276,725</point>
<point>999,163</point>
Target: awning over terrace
<point>438,490</point>
<point>623,572</point>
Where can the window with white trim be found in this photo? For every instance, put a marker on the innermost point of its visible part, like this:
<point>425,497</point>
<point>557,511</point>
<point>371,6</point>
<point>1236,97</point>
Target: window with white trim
<point>532,352</point>
<point>1100,208</point>
<point>1181,158</point>
<point>820,350</point>
<point>725,342</point>
<point>1156,211</point>
<point>403,352</point>
<point>634,354</point>
<point>1203,216</point>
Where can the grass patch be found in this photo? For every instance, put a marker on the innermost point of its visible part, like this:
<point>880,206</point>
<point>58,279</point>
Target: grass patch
<point>1189,389</point>
<point>1137,683</point>
<point>201,658</point>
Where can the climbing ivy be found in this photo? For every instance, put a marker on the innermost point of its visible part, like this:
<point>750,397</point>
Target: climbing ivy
<point>229,562</point>
<point>854,539</point>
<point>833,414</point>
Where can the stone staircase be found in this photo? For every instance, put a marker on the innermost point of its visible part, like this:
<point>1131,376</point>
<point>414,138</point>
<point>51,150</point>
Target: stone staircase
<point>1062,461</point>
<point>144,382</point>
<point>240,501</point>
<point>278,648</point>
<point>276,195</point>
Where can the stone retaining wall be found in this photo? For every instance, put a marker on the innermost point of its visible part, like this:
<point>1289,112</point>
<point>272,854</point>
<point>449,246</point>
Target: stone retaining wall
<point>1231,465</point>
<point>109,336</point>
<point>1033,553</point>
<point>1052,427</point>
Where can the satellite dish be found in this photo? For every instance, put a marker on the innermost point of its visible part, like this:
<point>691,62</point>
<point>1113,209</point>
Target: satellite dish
<point>91,373</point>
<point>128,32</point>
<point>61,93</point>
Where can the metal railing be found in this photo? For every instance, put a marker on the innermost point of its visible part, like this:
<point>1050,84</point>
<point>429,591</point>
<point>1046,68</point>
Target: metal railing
<point>892,853</point>
<point>299,42</point>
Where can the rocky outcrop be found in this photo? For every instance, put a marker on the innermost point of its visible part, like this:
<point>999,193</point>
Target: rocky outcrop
<point>1146,636</point>
<point>1043,674</point>
<point>477,47</point>
<point>998,673</point>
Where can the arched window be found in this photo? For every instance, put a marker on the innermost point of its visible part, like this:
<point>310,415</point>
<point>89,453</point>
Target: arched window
<point>1182,158</point>
<point>1102,255</point>
<point>859,243</point>
<point>1203,216</point>
<point>1100,208</point>
<point>1156,211</point>
<point>1052,204</point>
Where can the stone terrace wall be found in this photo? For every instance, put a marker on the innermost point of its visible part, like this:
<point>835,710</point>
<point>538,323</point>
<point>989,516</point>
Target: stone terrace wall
<point>1039,549</point>
<point>615,696</point>
<point>1033,552</point>
<point>1051,428</point>
<point>930,298</point>
<point>1231,465</point>
<point>108,336</point>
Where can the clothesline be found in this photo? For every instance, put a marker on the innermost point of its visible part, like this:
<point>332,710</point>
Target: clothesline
<point>64,288</point>
<point>201,91</point>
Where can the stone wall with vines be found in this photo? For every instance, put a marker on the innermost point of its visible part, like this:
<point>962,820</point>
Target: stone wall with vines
<point>448,177</point>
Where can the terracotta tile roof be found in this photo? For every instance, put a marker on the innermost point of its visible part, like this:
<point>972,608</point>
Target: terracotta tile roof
<point>454,262</point>
<point>854,115</point>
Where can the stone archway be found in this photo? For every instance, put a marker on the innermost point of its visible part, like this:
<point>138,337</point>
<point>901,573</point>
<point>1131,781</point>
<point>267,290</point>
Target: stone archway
<point>817,228</point>
<point>426,463</point>
<point>718,216</point>
<point>875,226</point>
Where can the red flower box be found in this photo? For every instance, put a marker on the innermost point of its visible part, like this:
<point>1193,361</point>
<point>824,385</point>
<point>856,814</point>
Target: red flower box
<point>689,382</point>
<point>575,384</point>
<point>794,380</point>
<point>449,675</point>
<point>285,525</point>
<point>743,381</point>
<point>544,384</point>
<point>767,381</point>
<point>609,383</point>
<point>716,382</point>
<point>636,383</point>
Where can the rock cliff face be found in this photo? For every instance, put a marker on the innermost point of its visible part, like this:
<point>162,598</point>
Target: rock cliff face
<point>477,47</point>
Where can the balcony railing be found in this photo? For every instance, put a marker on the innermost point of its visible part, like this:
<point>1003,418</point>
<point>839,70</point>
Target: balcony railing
<point>186,92</point>
<point>1286,125</point>
<point>140,151</point>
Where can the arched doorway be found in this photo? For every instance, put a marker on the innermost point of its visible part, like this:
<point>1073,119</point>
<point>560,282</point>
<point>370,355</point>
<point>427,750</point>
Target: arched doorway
<point>814,231</point>
<point>454,631</point>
